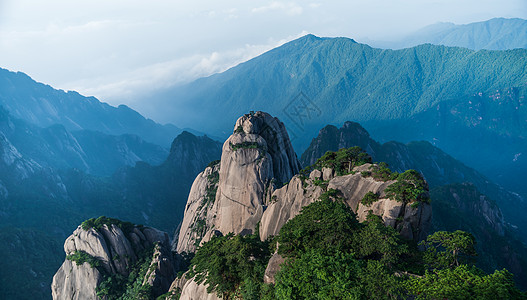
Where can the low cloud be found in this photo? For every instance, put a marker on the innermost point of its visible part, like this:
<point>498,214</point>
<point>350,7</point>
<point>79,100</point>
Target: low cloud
<point>133,86</point>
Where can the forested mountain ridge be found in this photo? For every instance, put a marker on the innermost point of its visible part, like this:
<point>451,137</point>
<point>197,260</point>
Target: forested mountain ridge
<point>455,98</point>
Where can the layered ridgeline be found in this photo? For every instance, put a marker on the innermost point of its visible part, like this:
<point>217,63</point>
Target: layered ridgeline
<point>493,34</point>
<point>455,192</point>
<point>456,98</point>
<point>44,106</point>
<point>40,205</point>
<point>89,151</point>
<point>254,190</point>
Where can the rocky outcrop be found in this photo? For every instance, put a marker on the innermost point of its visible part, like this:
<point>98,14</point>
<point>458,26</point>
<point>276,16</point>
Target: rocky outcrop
<point>196,291</point>
<point>273,266</point>
<point>256,183</point>
<point>161,270</point>
<point>258,152</point>
<point>96,253</point>
<point>411,222</point>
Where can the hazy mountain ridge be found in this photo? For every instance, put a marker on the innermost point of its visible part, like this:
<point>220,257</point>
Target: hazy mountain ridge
<point>90,151</point>
<point>493,34</point>
<point>44,106</point>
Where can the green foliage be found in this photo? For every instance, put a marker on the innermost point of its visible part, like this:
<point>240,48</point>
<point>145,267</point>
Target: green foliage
<point>369,198</point>
<point>464,282</point>
<point>239,129</point>
<point>316,275</point>
<point>212,188</point>
<point>321,183</point>
<point>119,287</point>
<point>245,145</point>
<point>213,163</point>
<point>231,264</point>
<point>324,223</point>
<point>96,224</point>
<point>80,257</point>
<point>409,188</point>
<point>449,249</point>
<point>378,242</point>
<point>343,161</point>
<point>381,171</point>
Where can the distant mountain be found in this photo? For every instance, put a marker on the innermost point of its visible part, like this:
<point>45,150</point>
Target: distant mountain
<point>89,151</point>
<point>44,106</point>
<point>493,34</point>
<point>471,104</point>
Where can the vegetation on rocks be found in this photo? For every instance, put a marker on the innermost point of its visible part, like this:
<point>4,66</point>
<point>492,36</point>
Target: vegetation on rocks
<point>342,161</point>
<point>80,257</point>
<point>231,266</point>
<point>119,287</point>
<point>330,255</point>
<point>410,187</point>
<point>97,223</point>
<point>245,145</point>
<point>369,198</point>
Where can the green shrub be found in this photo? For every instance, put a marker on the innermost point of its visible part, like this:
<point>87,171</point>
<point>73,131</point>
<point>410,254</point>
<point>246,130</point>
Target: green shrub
<point>343,161</point>
<point>245,145</point>
<point>80,257</point>
<point>324,223</point>
<point>96,224</point>
<point>230,264</point>
<point>464,282</point>
<point>410,187</point>
<point>369,198</point>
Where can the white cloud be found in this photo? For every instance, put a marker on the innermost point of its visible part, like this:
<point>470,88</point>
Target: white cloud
<point>132,86</point>
<point>289,8</point>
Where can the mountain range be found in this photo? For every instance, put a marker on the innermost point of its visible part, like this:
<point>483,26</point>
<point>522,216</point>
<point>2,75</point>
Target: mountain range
<point>470,104</point>
<point>493,34</point>
<point>456,115</point>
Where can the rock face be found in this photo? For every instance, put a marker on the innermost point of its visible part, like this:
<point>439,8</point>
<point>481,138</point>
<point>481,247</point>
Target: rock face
<point>257,152</point>
<point>194,291</point>
<point>197,220</point>
<point>115,252</point>
<point>411,222</point>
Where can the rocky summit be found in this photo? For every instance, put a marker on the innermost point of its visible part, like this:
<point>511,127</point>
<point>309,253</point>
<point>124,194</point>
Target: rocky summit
<point>258,184</point>
<point>101,252</point>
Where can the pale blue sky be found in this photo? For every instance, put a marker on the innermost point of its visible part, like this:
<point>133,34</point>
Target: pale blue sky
<point>118,50</point>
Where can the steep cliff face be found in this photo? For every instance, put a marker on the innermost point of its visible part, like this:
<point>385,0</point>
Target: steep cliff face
<point>197,221</point>
<point>97,251</point>
<point>257,152</point>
